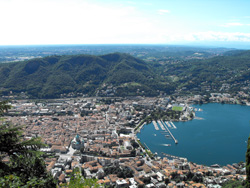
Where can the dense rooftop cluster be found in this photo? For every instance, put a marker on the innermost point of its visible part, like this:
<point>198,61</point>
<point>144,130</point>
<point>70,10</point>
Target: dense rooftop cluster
<point>97,135</point>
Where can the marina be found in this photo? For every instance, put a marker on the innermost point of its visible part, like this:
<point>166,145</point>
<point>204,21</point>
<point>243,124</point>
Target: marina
<point>166,134</point>
<point>173,125</point>
<point>167,130</point>
<point>155,125</point>
<point>161,125</point>
<point>224,128</point>
<point>167,123</point>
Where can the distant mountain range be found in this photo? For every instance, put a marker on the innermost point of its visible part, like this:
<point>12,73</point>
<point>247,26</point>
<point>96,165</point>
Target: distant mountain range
<point>49,77</point>
<point>119,74</point>
<point>228,73</point>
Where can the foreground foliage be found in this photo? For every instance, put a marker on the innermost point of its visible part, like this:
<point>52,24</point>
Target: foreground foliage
<point>78,181</point>
<point>20,161</point>
<point>234,184</point>
<point>248,164</point>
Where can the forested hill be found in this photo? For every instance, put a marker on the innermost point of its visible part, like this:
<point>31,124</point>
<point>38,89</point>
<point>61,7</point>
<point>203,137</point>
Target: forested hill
<point>49,77</point>
<point>229,73</point>
<point>120,74</point>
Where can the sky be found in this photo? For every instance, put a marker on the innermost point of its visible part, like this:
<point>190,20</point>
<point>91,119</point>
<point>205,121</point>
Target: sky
<point>27,22</point>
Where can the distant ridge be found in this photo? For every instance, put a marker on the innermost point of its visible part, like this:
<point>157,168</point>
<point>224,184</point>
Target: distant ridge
<point>119,74</point>
<point>49,77</point>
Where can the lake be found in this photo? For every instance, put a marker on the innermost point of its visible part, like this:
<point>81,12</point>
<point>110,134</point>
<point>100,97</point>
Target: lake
<point>219,138</point>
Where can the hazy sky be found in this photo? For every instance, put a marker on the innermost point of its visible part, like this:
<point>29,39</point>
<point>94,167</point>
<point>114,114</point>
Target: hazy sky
<point>123,22</point>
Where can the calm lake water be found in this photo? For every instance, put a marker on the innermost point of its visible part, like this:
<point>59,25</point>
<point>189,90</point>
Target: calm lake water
<point>220,138</point>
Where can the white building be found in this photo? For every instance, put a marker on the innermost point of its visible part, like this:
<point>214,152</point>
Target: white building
<point>77,142</point>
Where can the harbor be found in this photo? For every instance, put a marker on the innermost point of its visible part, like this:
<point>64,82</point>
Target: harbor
<point>170,124</point>
<point>173,125</point>
<point>155,125</point>
<point>204,141</point>
<point>165,129</point>
<point>167,123</point>
<point>161,125</point>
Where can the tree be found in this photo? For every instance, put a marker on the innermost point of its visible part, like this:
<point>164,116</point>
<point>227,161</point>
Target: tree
<point>26,168</point>
<point>167,181</point>
<point>146,180</point>
<point>78,181</point>
<point>248,164</point>
<point>190,175</point>
<point>233,184</point>
<point>4,107</point>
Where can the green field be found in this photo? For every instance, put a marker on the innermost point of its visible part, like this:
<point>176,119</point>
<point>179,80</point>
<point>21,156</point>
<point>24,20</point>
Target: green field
<point>177,108</point>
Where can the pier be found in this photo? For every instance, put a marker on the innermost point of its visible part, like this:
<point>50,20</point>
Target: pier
<point>176,141</point>
<point>161,125</point>
<point>167,123</point>
<point>155,125</point>
<point>172,156</point>
<point>173,125</point>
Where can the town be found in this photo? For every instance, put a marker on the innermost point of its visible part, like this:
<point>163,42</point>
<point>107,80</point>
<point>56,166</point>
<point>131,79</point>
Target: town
<point>97,135</point>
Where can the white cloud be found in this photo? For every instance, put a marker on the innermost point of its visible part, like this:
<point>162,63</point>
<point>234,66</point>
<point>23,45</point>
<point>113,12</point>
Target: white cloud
<point>131,2</point>
<point>222,36</point>
<point>85,22</point>
<point>70,22</point>
<point>162,11</point>
<point>234,24</point>
<point>210,36</point>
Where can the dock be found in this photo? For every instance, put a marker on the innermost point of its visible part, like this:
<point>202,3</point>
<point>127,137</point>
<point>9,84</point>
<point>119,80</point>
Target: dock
<point>161,125</point>
<point>176,141</point>
<point>172,156</point>
<point>173,125</point>
<point>155,125</point>
<point>168,124</point>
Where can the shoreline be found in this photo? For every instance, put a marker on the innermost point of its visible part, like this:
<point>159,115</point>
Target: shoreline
<point>221,164</point>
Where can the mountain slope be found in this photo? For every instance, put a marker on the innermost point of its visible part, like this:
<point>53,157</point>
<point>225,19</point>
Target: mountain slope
<point>51,76</point>
<point>120,74</point>
<point>212,73</point>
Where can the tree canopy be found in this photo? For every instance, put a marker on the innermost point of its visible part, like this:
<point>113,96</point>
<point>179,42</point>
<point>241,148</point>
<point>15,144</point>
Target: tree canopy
<point>248,164</point>
<point>20,162</point>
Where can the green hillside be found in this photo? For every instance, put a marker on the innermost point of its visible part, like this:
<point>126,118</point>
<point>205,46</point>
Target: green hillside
<point>201,76</point>
<point>120,74</point>
<point>51,76</point>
